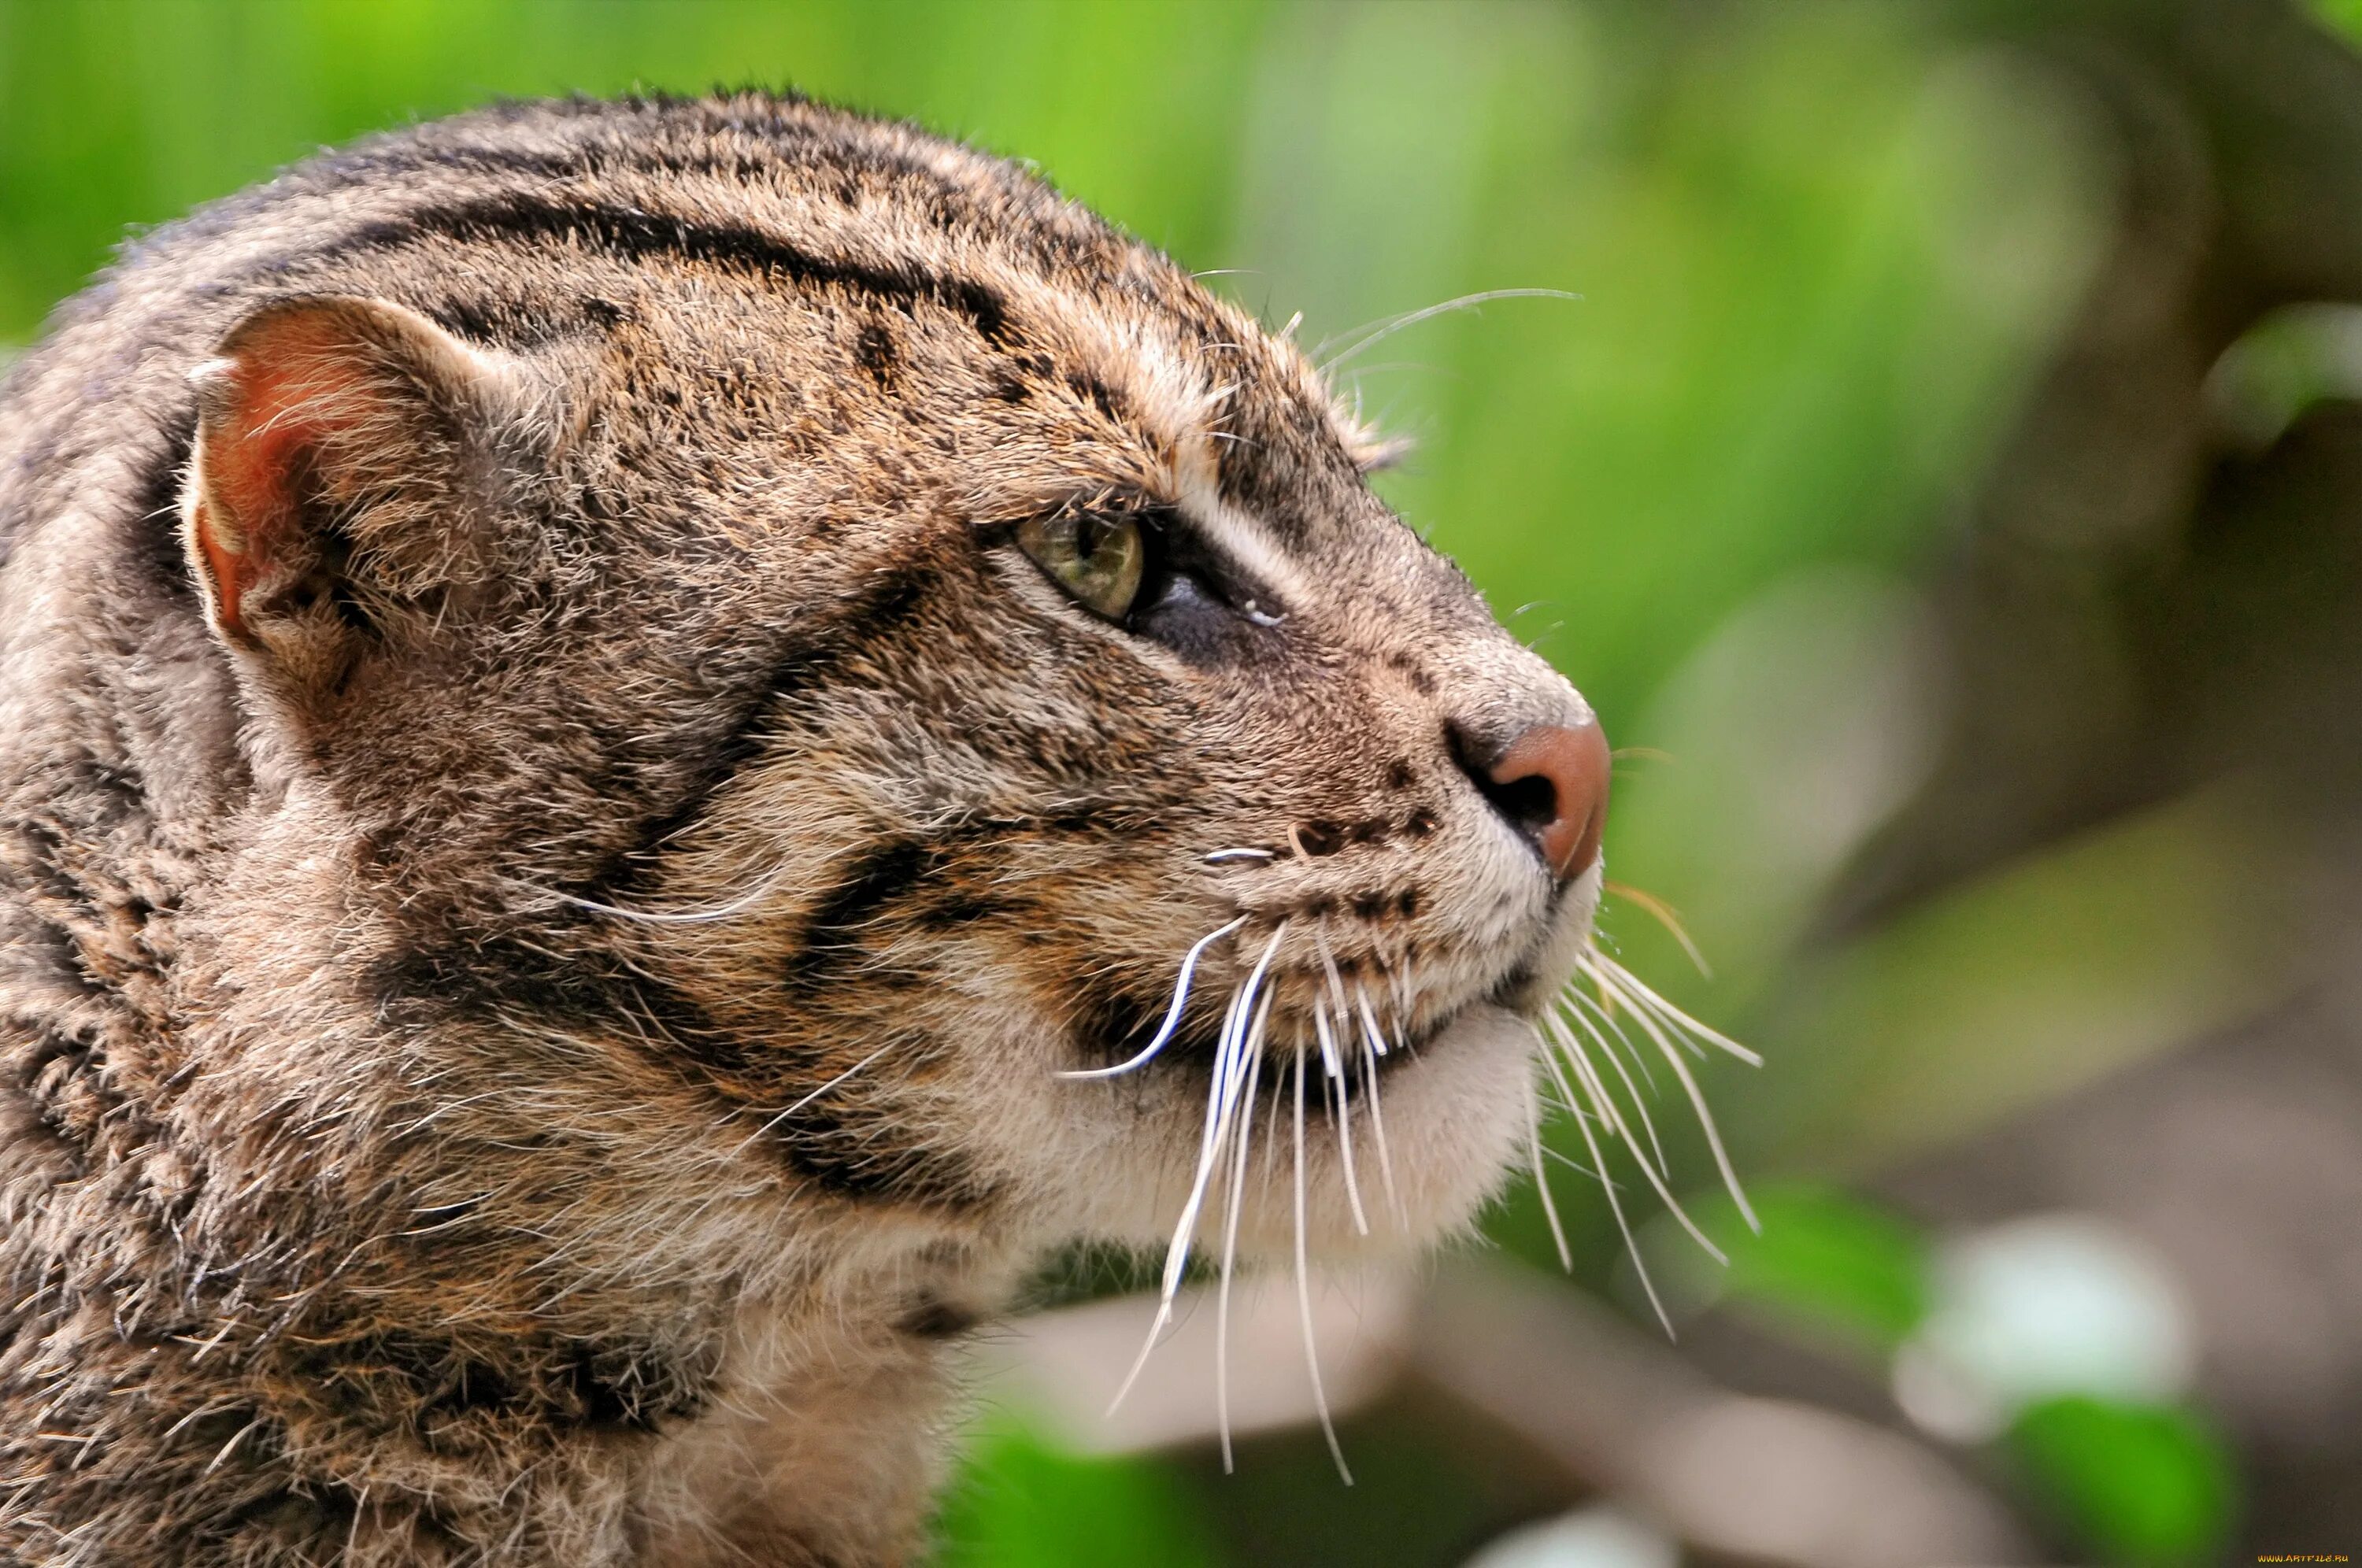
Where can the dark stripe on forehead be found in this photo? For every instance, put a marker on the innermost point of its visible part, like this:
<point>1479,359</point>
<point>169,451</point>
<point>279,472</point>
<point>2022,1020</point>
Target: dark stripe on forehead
<point>636,236</point>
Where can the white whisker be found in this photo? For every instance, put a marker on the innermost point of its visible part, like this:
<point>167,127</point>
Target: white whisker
<point>1541,1180</point>
<point>1623,1226</point>
<point>1221,855</point>
<point>1577,1167</point>
<point>1574,995</point>
<point>1587,1074</point>
<point>1638,1103</point>
<point>1705,1113</point>
<point>1303,1291</point>
<point>1412,319</point>
<point>1230,1246</point>
<point>1613,977</point>
<point>1230,1051</point>
<point>1371,1048</point>
<point>1334,1089</point>
<point>1172,1014</point>
<point>1329,964</point>
<point>1369,1018</point>
<point>738,905</point>
<point>815,1094</point>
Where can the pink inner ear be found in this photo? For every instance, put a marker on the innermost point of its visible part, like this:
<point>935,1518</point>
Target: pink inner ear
<point>292,388</point>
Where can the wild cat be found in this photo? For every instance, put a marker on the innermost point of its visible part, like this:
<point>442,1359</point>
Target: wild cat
<point>648,745</point>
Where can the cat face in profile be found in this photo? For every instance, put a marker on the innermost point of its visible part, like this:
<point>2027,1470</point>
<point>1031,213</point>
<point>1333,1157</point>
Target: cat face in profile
<point>1062,754</point>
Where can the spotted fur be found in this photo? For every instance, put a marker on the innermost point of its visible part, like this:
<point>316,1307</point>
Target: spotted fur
<point>523,1041</point>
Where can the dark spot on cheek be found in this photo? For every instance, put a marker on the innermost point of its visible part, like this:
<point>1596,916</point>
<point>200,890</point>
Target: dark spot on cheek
<point>1320,838</point>
<point>1372,830</point>
<point>1371,906</point>
<point>933,1318</point>
<point>1409,902</point>
<point>1098,393</point>
<point>1007,386</point>
<point>1516,980</point>
<point>955,910</point>
<point>1421,822</point>
<point>323,1515</point>
<point>1399,774</point>
<point>1320,908</point>
<point>1420,680</point>
<point>874,350</point>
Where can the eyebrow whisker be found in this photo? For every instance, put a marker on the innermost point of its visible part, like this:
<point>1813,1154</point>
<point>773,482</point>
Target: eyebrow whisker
<point>1412,319</point>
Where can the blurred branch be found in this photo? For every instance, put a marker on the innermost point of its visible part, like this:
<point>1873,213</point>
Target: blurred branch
<point>1770,1480</point>
<point>1614,1409</point>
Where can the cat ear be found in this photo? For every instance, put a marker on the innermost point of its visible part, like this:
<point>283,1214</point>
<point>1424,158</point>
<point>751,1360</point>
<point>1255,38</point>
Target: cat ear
<point>339,477</point>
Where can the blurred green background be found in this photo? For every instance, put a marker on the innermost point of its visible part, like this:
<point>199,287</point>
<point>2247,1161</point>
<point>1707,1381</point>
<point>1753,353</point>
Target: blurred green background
<point>1806,491</point>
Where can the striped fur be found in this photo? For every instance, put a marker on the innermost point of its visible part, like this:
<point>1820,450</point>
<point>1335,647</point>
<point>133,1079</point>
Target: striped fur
<point>377,1184</point>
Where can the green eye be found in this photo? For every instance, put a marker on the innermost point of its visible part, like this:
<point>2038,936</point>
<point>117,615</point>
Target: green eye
<point>1097,559</point>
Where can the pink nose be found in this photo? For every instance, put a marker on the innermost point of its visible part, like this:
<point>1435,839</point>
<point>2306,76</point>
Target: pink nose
<point>1552,781</point>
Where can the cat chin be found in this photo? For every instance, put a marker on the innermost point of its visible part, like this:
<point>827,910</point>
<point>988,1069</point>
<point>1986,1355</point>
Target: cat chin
<point>1455,1118</point>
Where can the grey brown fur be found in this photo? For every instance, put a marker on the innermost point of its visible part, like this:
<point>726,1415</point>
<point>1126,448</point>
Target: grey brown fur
<point>373,1191</point>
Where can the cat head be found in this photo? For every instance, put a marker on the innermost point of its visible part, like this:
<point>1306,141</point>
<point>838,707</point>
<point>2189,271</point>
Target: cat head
<point>801,605</point>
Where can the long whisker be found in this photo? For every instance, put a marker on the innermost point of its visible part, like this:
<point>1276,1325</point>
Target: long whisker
<point>1229,1053</point>
<point>1623,1226</point>
<point>1664,915</point>
<point>1587,1074</point>
<point>1577,1167</point>
<point>1333,1089</point>
<point>1705,1113</point>
<point>1369,1018</point>
<point>1329,964</point>
<point>1638,1103</point>
<point>1303,1291</point>
<point>739,905</point>
<point>1271,1126</point>
<point>1616,977</point>
<point>1608,1019</point>
<point>1172,1015</point>
<point>1371,1047</point>
<point>1230,1247</point>
<point>1541,1178</point>
<point>1412,319</point>
<point>815,1094</point>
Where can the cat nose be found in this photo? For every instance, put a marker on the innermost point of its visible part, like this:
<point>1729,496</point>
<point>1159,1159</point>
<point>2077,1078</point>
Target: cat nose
<point>1550,783</point>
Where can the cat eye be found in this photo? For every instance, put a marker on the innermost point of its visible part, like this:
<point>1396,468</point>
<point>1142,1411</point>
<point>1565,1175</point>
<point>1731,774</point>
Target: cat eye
<point>1098,561</point>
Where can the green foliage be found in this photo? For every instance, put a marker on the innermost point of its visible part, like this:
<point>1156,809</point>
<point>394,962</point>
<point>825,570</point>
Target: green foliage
<point>1021,1502</point>
<point>2144,1485</point>
<point>1834,1261</point>
<point>2345,16</point>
